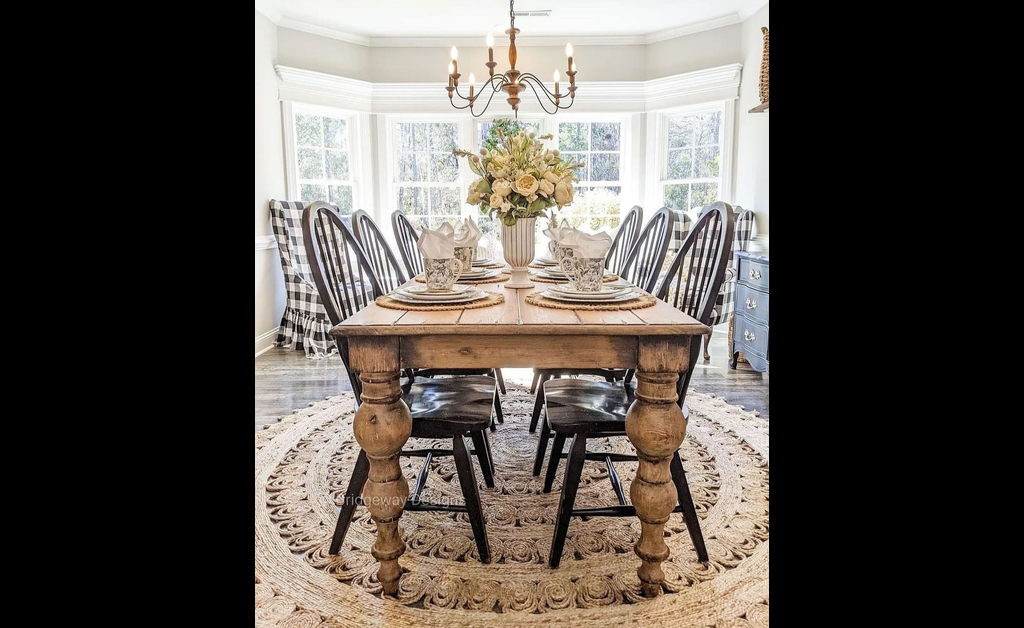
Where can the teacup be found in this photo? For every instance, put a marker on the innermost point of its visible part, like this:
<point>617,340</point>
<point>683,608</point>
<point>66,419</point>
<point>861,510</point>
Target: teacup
<point>466,255</point>
<point>585,273</point>
<point>441,273</point>
<point>562,252</point>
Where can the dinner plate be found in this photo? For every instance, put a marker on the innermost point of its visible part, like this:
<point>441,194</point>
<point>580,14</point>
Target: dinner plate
<point>551,272</point>
<point>626,296</point>
<point>465,297</point>
<point>481,274</point>
<point>483,262</point>
<point>593,296</point>
<point>422,288</point>
<point>606,291</point>
<point>546,261</point>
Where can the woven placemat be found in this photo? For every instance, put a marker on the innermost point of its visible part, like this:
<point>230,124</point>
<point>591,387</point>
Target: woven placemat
<point>608,279</point>
<point>392,304</point>
<point>500,278</point>
<point>644,300</point>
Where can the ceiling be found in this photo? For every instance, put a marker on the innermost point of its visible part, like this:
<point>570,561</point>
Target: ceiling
<point>418,22</point>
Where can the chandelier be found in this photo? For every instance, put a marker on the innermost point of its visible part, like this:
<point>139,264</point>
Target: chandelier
<point>512,81</point>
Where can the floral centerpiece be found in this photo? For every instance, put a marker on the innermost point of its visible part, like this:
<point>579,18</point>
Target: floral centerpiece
<point>519,178</point>
<point>519,181</point>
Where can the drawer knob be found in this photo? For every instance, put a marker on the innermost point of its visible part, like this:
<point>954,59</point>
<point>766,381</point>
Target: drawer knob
<point>751,304</point>
<point>748,335</point>
<point>755,274</point>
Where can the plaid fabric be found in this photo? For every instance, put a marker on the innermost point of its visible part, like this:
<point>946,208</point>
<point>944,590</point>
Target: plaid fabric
<point>743,229</point>
<point>304,324</point>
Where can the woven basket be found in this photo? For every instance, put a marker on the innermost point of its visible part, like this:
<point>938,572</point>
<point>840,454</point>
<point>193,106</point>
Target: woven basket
<point>763,84</point>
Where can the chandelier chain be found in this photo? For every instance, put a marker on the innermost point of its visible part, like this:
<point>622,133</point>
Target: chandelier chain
<point>512,13</point>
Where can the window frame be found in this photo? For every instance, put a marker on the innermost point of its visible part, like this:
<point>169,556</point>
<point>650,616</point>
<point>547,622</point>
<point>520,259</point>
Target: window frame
<point>657,151</point>
<point>354,124</point>
<point>388,159</point>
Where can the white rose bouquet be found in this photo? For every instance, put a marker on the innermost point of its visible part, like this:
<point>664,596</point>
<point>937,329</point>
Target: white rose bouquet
<point>518,178</point>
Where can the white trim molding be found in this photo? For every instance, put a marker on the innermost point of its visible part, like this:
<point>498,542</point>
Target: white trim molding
<point>265,341</point>
<point>267,8</point>
<point>317,88</point>
<point>720,83</point>
<point>266,242</point>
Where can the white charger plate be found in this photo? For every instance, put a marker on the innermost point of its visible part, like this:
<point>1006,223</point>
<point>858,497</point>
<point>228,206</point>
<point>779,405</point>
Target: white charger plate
<point>466,297</point>
<point>458,288</point>
<point>626,296</point>
<point>481,274</point>
<point>606,291</point>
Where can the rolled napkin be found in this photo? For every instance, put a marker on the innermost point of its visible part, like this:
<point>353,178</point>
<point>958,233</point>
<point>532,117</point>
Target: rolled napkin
<point>590,246</point>
<point>557,234</point>
<point>439,244</point>
<point>467,233</point>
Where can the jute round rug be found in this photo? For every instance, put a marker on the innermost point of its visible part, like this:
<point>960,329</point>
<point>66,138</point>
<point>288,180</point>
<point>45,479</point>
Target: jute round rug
<point>302,468</point>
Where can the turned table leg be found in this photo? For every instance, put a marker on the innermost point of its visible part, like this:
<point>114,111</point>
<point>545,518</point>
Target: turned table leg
<point>656,426</point>
<point>382,425</point>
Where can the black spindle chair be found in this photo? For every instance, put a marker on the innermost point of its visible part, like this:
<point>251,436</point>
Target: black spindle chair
<point>622,244</point>
<point>580,410</point>
<point>406,237</point>
<point>641,268</point>
<point>445,408</point>
<point>378,253</point>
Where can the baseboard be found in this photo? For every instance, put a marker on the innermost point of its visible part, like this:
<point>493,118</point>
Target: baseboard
<point>265,341</point>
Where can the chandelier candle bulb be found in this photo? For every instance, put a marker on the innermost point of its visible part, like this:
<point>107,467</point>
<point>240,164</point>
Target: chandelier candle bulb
<point>556,86</point>
<point>455,61</point>
<point>568,53</point>
<point>472,80</point>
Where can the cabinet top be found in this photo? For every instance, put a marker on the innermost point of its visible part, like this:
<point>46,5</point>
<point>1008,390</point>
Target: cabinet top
<point>758,256</point>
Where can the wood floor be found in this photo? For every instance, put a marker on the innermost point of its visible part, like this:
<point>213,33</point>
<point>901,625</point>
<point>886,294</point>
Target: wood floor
<point>287,380</point>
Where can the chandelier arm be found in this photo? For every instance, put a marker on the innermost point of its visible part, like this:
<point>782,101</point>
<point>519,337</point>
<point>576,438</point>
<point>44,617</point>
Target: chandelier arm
<point>525,78</point>
<point>539,101</point>
<point>488,104</point>
<point>486,83</point>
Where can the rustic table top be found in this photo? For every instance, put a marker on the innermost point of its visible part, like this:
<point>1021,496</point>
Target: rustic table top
<point>515,317</point>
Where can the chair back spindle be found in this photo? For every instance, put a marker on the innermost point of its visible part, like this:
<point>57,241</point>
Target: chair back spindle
<point>624,240</point>
<point>643,265</point>
<point>385,265</point>
<point>406,237</point>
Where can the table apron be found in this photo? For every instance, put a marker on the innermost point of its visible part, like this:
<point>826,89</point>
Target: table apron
<point>542,351</point>
<point>519,351</point>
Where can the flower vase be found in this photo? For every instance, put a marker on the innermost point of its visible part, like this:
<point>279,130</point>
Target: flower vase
<point>517,241</point>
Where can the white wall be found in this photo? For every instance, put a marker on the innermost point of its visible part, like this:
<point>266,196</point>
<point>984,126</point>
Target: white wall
<point>424,65</point>
<point>751,174</point>
<point>699,51</point>
<point>269,183</point>
<point>323,54</point>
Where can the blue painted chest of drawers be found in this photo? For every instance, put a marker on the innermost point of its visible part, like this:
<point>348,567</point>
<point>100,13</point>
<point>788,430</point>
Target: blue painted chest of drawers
<point>750,325</point>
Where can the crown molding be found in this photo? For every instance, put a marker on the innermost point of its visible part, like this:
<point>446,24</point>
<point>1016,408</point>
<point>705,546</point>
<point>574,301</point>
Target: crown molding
<point>324,31</point>
<point>317,88</point>
<point>269,11</point>
<point>267,8</point>
<point>720,83</point>
<point>690,29</point>
<point>752,7</point>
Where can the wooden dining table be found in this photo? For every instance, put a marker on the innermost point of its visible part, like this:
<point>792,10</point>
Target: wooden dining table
<point>655,341</point>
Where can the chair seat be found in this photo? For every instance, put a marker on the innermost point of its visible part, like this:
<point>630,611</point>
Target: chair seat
<point>580,406</point>
<point>446,407</point>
